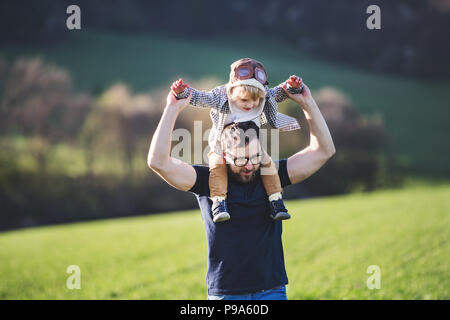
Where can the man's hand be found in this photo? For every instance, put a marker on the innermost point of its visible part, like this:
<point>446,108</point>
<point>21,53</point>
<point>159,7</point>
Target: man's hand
<point>295,81</point>
<point>303,99</point>
<point>178,86</point>
<point>177,105</point>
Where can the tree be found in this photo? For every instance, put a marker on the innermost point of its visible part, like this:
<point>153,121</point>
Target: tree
<point>361,142</point>
<point>38,102</point>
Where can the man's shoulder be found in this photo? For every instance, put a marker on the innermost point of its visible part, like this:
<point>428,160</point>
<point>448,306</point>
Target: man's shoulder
<point>283,172</point>
<point>201,185</point>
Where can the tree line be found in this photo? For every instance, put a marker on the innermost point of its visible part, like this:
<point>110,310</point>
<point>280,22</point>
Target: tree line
<point>102,172</point>
<point>412,41</point>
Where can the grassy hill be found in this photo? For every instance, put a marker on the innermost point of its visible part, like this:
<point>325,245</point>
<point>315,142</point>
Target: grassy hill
<point>415,112</point>
<point>329,244</point>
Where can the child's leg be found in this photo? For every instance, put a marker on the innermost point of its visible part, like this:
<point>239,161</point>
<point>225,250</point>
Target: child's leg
<point>218,183</point>
<point>270,178</point>
<point>272,184</point>
<point>218,176</point>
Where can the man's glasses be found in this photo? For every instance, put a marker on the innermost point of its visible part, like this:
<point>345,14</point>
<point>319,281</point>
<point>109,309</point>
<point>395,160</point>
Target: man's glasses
<point>242,161</point>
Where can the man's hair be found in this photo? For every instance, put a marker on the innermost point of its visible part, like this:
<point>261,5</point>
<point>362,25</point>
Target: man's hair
<point>238,134</point>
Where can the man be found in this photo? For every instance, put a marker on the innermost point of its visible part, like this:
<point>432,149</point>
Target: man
<point>245,254</point>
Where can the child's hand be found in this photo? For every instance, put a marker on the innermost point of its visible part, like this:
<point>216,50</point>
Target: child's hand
<point>178,86</point>
<point>294,81</point>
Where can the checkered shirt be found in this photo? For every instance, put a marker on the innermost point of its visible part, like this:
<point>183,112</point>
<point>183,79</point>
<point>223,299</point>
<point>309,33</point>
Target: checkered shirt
<point>217,100</point>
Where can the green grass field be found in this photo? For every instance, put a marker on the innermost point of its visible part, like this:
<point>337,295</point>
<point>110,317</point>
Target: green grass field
<point>329,244</point>
<point>415,112</point>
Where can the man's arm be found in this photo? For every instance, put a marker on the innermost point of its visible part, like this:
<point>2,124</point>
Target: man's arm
<point>175,172</point>
<point>321,148</point>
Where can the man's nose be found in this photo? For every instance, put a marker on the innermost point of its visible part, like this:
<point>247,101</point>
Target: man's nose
<point>249,166</point>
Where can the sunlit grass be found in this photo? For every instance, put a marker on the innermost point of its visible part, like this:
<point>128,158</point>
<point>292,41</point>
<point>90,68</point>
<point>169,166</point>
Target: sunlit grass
<point>329,243</point>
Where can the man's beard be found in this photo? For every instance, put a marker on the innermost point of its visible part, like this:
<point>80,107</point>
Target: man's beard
<point>240,179</point>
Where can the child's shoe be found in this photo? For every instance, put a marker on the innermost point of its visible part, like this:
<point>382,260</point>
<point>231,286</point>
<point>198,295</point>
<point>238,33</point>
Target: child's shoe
<point>219,211</point>
<point>278,211</point>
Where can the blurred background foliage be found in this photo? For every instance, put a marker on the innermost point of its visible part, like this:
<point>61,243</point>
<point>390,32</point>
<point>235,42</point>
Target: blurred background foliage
<point>78,108</point>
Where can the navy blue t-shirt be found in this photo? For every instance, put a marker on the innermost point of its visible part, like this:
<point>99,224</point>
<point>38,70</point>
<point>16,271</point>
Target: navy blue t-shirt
<point>245,253</point>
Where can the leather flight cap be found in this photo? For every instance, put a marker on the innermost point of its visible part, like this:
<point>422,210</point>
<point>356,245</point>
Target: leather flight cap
<point>245,61</point>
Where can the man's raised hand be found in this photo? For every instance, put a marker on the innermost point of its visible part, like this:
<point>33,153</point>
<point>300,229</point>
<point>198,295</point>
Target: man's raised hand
<point>177,104</point>
<point>301,98</point>
<point>178,86</point>
<point>295,81</point>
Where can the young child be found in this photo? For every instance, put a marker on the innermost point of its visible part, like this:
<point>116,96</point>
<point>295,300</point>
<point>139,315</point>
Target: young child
<point>246,97</point>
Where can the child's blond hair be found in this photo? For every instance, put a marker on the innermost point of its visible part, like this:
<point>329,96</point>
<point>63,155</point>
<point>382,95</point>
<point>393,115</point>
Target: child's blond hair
<point>247,92</point>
